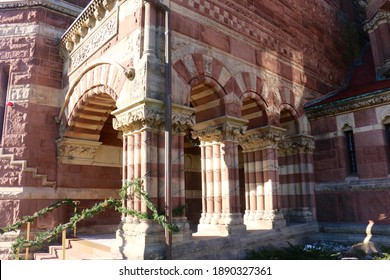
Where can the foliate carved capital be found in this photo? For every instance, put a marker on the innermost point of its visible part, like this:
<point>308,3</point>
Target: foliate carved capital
<point>139,118</point>
<point>210,134</point>
<point>269,137</point>
<point>297,144</point>
<point>76,151</point>
<point>226,132</point>
<point>233,132</point>
<point>182,122</point>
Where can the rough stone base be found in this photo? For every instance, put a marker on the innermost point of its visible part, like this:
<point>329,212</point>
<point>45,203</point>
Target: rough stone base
<point>237,246</point>
<point>349,233</point>
<point>141,241</point>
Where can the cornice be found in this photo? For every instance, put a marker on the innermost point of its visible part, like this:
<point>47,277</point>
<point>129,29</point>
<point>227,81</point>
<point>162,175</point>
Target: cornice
<point>58,6</point>
<point>368,100</point>
<point>96,11</point>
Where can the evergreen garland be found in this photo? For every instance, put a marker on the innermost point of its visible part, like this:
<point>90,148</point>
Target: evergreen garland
<point>47,236</point>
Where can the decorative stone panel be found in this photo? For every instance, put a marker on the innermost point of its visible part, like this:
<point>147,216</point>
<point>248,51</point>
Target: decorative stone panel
<point>74,151</point>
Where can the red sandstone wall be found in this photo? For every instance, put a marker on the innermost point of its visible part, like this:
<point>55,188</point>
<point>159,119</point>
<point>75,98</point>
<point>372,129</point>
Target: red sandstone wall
<point>277,34</point>
<point>367,196</point>
<point>30,129</point>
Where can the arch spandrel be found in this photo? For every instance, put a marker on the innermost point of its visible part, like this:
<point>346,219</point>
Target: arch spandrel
<point>90,99</point>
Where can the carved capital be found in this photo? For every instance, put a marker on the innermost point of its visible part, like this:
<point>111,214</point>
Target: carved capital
<point>297,144</point>
<point>262,138</point>
<point>182,122</point>
<point>211,134</point>
<point>233,132</point>
<point>139,118</point>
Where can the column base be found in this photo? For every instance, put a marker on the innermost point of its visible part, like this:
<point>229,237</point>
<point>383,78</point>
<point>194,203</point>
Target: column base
<point>140,241</point>
<point>185,233</point>
<point>228,224</point>
<point>272,220</point>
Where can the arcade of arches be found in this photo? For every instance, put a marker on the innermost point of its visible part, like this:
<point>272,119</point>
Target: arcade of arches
<point>241,152</point>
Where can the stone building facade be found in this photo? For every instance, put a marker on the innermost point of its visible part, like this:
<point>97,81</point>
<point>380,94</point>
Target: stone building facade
<point>261,107</point>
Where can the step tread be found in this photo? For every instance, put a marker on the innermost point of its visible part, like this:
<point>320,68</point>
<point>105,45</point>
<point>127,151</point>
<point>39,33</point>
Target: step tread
<point>77,249</point>
<point>89,244</point>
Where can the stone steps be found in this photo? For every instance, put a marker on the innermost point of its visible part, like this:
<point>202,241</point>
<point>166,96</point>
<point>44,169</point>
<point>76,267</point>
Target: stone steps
<point>77,249</point>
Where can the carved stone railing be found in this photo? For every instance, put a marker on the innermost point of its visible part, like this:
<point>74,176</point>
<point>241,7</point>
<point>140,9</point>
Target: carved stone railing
<point>95,26</point>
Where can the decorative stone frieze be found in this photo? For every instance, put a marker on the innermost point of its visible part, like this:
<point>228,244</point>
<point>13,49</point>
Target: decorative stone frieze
<point>105,31</point>
<point>76,38</point>
<point>76,151</point>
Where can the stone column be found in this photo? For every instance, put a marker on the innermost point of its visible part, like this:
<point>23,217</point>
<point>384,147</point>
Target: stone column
<point>140,125</point>
<point>262,178</point>
<point>143,158</point>
<point>220,177</point>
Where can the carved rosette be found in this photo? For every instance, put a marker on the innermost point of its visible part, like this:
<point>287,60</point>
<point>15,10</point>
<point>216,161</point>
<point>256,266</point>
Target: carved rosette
<point>269,137</point>
<point>76,151</point>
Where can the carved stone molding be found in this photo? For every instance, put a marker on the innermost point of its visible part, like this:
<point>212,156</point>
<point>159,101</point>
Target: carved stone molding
<point>262,138</point>
<point>377,98</point>
<point>58,6</point>
<point>76,151</point>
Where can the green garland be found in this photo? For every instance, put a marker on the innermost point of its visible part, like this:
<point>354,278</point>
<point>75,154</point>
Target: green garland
<point>47,236</point>
<point>36,215</point>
